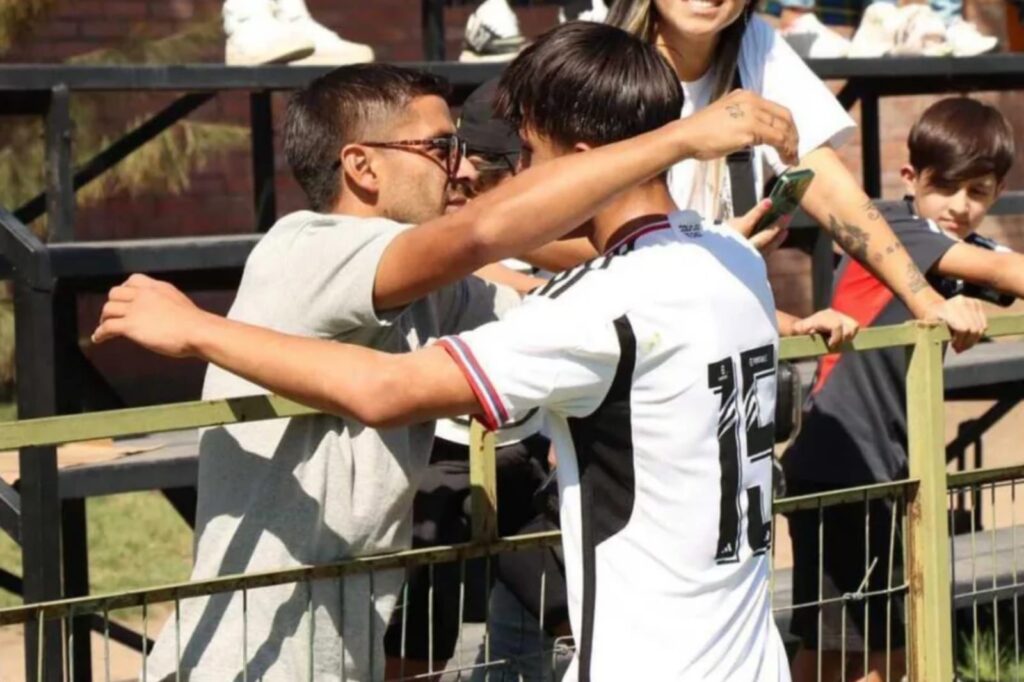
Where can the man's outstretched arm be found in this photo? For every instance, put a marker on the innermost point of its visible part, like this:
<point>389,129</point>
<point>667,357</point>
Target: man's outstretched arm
<point>546,202</point>
<point>377,389</point>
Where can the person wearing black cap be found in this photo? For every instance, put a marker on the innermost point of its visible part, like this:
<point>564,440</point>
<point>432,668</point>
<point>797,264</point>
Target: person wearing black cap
<point>492,145</point>
<point>440,508</point>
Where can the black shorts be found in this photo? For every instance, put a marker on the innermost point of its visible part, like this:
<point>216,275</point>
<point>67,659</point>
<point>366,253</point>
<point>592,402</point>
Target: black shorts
<point>845,568</point>
<point>440,517</point>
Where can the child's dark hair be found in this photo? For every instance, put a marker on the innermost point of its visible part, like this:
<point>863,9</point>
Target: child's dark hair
<point>588,82</point>
<point>958,139</point>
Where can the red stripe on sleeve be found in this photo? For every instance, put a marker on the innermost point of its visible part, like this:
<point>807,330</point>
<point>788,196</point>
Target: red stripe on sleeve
<point>487,416</point>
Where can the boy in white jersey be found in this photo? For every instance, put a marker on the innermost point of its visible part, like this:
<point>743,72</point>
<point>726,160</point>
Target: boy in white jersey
<point>654,364</point>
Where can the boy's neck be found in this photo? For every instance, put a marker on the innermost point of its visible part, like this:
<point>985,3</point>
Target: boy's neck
<point>633,209</point>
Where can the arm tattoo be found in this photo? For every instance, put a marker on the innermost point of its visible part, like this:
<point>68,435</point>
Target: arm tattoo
<point>915,280</point>
<point>872,210</point>
<point>734,111</point>
<point>853,239</point>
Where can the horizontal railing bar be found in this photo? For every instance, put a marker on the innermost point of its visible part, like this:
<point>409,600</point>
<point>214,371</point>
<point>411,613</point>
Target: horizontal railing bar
<point>874,491</point>
<point>197,414</point>
<point>962,479</point>
<point>140,420</point>
<point>795,347</point>
<point>893,591</point>
<point>987,594</point>
<point>1005,325</point>
<point>78,606</point>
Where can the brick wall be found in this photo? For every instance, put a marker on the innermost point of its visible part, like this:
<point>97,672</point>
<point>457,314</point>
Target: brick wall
<point>219,198</point>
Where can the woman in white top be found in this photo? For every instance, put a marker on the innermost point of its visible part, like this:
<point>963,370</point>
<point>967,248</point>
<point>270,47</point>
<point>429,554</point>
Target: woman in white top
<point>706,42</point>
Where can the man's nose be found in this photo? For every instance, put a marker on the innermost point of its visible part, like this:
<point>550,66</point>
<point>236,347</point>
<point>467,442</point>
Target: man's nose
<point>466,171</point>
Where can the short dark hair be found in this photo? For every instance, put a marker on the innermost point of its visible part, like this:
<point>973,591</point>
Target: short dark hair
<point>339,108</point>
<point>589,82</point>
<point>957,139</point>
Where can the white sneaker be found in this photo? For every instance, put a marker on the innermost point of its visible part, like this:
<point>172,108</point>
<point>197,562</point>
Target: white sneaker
<point>331,49</point>
<point>876,35</point>
<point>254,36</point>
<point>921,32</point>
<point>967,41</point>
<point>811,39</point>
<point>492,34</point>
<point>597,13</point>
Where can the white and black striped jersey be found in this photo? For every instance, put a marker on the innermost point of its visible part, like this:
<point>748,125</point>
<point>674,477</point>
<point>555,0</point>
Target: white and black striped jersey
<point>655,366</point>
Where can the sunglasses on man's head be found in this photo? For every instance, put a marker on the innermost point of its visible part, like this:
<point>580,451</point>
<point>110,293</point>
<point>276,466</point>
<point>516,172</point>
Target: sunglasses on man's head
<point>449,150</point>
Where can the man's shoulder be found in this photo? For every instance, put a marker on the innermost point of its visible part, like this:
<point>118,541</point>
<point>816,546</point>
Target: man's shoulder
<point>306,238</point>
<point>337,225</point>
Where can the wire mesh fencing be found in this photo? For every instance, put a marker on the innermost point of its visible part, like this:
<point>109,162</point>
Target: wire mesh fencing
<point>869,572</point>
<point>986,510</point>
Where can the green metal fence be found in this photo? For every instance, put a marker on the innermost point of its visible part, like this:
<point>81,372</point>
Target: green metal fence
<point>923,503</point>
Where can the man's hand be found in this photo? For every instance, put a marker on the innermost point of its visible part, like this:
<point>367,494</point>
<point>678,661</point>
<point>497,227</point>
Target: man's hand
<point>766,240</point>
<point>834,325</point>
<point>742,119</point>
<point>965,318</point>
<point>153,314</point>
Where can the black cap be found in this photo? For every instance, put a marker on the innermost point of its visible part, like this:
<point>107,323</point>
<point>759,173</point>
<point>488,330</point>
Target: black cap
<point>479,127</point>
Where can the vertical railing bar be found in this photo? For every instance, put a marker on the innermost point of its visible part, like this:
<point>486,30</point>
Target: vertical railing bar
<point>890,570</point>
<point>39,648</point>
<point>430,618</point>
<point>177,639</point>
<point>771,562</point>
<point>405,622</point>
<point>312,631</point>
<point>487,609</point>
<point>462,604</point>
<point>145,639</point>
<point>821,581</point>
<point>1016,594</point>
<point>931,641</point>
<point>373,613</point>
<point>842,640</point>
<point>245,635</point>
<point>341,628</point>
<point>69,648</point>
<point>867,577</point>
<point>974,583</point>
<point>106,642</point>
<point>540,616</point>
<point>995,582</point>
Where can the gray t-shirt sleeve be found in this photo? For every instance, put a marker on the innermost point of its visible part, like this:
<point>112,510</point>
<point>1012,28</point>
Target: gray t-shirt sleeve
<point>334,265</point>
<point>473,302</point>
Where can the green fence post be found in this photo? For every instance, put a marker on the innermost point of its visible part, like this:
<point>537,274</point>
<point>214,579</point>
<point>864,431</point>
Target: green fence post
<point>930,653</point>
<point>483,483</point>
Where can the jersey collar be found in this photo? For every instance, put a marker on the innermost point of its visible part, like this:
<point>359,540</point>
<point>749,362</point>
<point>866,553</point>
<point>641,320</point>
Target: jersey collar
<point>639,231</point>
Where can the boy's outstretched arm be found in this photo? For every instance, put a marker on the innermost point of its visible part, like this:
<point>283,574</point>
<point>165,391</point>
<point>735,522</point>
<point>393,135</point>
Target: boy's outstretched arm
<point>377,389</point>
<point>546,202</point>
<point>999,270</point>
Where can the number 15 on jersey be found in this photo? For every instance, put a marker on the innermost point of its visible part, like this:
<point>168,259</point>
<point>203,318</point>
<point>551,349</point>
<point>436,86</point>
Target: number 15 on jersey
<point>739,408</point>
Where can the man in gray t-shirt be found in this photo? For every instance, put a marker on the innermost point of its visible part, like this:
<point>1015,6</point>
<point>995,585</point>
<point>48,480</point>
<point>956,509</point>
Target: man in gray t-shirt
<point>314,490</point>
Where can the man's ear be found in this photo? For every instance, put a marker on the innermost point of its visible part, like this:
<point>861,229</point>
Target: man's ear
<point>909,177</point>
<point>581,147</point>
<point>358,168</point>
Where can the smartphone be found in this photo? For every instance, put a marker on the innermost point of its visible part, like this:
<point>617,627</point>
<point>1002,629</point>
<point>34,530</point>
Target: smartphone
<point>786,195</point>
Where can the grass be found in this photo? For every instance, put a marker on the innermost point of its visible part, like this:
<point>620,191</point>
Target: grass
<point>135,540</point>
<point>992,662</point>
